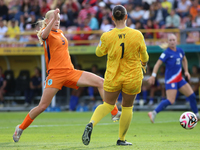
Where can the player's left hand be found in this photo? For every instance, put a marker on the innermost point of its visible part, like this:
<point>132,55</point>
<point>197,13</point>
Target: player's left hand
<point>56,12</point>
<point>187,74</point>
<point>144,66</point>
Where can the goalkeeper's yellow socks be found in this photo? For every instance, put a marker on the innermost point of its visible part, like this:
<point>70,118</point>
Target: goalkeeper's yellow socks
<point>114,111</point>
<point>100,112</point>
<point>125,121</point>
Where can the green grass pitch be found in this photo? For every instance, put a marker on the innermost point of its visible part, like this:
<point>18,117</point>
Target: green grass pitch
<point>63,131</point>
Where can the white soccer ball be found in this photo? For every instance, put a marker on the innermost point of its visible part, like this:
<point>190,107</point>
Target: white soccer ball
<point>188,120</point>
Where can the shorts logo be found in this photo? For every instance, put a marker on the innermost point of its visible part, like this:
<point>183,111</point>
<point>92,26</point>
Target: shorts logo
<point>50,81</point>
<point>173,85</point>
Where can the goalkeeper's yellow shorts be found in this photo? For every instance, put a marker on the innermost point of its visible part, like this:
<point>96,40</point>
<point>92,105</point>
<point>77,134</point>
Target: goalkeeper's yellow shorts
<point>130,87</point>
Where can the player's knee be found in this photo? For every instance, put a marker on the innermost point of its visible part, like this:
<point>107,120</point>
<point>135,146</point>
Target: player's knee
<point>42,107</point>
<point>171,101</point>
<point>100,83</point>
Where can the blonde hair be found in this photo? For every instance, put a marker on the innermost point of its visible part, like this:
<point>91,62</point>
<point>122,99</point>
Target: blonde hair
<point>166,45</point>
<point>171,34</point>
<point>43,24</point>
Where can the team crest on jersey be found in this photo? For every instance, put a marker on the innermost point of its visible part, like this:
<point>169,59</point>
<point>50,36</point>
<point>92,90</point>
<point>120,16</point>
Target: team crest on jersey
<point>181,55</point>
<point>173,85</point>
<point>50,81</point>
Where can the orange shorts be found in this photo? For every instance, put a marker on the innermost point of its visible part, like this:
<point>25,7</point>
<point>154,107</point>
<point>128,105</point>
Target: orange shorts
<point>62,77</point>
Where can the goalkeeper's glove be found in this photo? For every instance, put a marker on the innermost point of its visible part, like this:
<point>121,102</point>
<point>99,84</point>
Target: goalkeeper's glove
<point>144,67</point>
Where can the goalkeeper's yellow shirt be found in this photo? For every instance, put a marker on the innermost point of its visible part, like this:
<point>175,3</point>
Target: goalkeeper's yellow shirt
<point>124,49</point>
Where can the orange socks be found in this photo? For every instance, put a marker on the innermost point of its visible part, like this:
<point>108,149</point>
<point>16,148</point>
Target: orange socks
<point>27,121</point>
<point>114,111</point>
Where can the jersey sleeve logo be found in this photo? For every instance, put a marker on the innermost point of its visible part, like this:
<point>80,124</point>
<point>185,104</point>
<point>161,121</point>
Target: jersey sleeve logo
<point>162,55</point>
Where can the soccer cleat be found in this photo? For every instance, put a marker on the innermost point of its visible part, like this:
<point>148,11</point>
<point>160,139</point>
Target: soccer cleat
<point>87,133</point>
<point>151,116</point>
<point>117,116</point>
<point>198,116</point>
<point>123,143</point>
<point>17,134</point>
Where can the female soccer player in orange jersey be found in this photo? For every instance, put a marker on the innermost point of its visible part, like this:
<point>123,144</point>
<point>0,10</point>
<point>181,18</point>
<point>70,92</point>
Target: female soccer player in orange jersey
<point>126,50</point>
<point>60,70</point>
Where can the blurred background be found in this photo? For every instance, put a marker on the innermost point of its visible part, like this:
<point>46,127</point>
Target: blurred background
<point>22,68</point>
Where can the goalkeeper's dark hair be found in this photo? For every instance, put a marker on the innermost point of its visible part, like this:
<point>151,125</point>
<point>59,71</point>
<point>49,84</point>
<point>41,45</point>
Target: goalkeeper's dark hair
<point>119,12</point>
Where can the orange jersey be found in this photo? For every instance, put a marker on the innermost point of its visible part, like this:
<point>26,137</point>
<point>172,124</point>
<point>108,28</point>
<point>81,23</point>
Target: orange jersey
<point>56,51</point>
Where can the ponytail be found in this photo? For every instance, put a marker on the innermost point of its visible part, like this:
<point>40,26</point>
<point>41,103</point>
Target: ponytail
<point>42,24</point>
<point>164,45</point>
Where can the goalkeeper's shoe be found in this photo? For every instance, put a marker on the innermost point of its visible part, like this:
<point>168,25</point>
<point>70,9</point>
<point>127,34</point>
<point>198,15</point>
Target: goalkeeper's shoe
<point>87,134</point>
<point>123,143</point>
<point>117,116</point>
<point>17,134</point>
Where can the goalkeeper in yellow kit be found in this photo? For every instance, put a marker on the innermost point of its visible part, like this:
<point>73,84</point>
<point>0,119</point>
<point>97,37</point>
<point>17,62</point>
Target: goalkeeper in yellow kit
<point>126,54</point>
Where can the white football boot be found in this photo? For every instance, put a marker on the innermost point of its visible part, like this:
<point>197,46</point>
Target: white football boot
<point>17,134</point>
<point>117,116</point>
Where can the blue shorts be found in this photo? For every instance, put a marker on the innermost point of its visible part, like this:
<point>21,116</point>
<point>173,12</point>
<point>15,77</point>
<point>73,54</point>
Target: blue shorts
<point>176,85</point>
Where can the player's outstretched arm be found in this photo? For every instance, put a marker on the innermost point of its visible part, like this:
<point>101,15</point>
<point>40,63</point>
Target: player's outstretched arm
<point>151,80</point>
<point>50,24</point>
<point>185,66</point>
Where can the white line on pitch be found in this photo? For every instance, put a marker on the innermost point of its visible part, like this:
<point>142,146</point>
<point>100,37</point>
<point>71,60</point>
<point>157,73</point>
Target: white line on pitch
<point>103,124</point>
<point>33,126</point>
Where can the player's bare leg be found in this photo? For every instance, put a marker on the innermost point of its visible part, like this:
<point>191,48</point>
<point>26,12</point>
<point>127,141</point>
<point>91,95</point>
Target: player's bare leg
<point>90,79</point>
<point>45,101</point>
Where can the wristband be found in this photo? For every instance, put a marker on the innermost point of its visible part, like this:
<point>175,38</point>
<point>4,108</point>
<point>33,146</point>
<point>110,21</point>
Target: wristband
<point>153,74</point>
